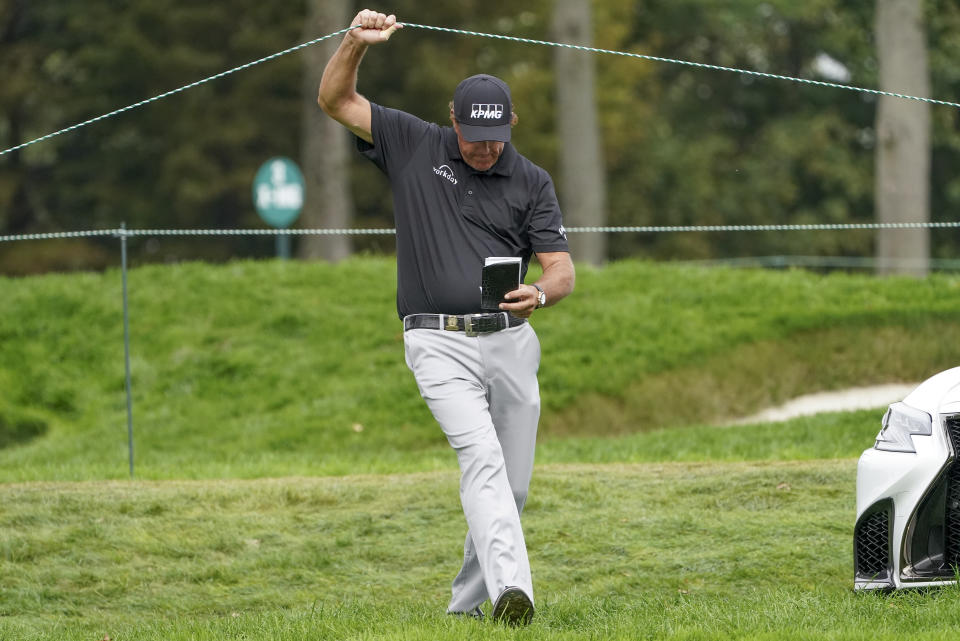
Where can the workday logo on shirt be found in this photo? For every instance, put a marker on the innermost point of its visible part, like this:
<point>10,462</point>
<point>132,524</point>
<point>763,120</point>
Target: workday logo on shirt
<point>444,171</point>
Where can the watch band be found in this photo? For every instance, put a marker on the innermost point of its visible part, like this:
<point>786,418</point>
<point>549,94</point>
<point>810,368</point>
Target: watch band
<point>542,298</point>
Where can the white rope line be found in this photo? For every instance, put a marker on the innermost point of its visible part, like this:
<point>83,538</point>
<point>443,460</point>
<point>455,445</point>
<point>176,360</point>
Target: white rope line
<point>700,65</point>
<point>743,228</point>
<point>258,232</point>
<point>818,83</point>
<point>172,92</point>
<point>133,233</point>
<point>57,235</point>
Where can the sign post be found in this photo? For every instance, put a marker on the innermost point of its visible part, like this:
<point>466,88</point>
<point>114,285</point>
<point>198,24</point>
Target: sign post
<point>278,190</point>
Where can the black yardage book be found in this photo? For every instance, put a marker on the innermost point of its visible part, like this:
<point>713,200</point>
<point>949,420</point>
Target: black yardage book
<point>500,275</point>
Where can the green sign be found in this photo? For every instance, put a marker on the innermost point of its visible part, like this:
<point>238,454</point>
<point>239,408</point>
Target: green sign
<point>278,192</point>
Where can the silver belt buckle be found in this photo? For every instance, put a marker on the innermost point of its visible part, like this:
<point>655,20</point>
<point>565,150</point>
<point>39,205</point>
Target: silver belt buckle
<point>468,325</point>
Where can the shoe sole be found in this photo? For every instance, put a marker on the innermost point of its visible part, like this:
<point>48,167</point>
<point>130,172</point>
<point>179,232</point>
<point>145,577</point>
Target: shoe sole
<point>513,607</point>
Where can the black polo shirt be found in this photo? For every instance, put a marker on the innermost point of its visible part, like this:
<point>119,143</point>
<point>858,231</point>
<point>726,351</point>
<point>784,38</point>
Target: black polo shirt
<point>450,217</point>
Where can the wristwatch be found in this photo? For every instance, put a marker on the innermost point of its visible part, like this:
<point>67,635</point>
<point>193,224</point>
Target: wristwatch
<point>541,297</point>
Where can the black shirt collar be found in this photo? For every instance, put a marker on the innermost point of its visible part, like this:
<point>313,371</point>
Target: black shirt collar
<point>505,163</point>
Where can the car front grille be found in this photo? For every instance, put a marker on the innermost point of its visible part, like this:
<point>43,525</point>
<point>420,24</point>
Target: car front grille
<point>951,551</point>
<point>872,547</point>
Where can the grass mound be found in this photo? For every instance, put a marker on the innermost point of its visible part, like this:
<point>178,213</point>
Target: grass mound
<point>17,427</point>
<point>275,368</point>
<point>255,382</point>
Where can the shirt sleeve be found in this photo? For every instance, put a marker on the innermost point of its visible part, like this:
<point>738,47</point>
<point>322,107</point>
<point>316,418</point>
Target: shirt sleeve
<point>546,230</point>
<point>396,136</point>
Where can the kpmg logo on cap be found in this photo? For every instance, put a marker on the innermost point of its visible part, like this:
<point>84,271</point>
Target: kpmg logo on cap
<point>486,111</point>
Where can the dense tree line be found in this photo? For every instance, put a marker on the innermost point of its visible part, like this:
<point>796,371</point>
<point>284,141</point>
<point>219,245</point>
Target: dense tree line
<point>680,145</point>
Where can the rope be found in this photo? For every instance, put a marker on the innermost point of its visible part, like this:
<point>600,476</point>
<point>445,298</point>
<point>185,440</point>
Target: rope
<point>58,235</point>
<point>132,233</point>
<point>699,65</point>
<point>742,228</point>
<point>170,93</point>
<point>258,232</point>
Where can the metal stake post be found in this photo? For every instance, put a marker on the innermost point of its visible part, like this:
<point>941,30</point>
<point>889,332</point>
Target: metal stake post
<point>126,341</point>
<point>283,245</point>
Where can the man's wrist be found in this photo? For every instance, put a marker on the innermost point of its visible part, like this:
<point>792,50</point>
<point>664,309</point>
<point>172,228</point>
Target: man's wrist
<point>541,296</point>
<point>353,39</point>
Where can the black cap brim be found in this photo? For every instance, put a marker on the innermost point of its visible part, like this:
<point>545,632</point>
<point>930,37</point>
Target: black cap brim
<point>477,133</point>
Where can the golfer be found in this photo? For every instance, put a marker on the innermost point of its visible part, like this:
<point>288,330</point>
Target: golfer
<point>462,194</point>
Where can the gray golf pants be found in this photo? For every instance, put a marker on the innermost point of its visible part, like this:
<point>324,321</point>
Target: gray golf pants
<point>483,392</point>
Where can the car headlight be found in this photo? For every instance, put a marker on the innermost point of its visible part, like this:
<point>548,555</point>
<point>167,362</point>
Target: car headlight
<point>900,424</point>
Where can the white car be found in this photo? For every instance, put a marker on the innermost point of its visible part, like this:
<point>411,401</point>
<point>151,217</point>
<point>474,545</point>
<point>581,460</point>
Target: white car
<point>908,492</point>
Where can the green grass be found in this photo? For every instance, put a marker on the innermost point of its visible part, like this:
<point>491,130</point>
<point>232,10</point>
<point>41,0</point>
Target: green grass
<point>824,436</point>
<point>273,368</point>
<point>291,485</point>
<point>94,558</point>
<point>774,615</point>
<point>778,614</point>
<point>622,551</point>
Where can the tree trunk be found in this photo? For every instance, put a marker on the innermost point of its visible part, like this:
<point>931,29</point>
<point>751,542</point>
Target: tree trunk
<point>902,187</point>
<point>325,154</point>
<point>581,186</point>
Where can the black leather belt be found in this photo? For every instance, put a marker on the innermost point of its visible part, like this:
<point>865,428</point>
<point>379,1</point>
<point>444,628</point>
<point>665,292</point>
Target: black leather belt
<point>471,324</point>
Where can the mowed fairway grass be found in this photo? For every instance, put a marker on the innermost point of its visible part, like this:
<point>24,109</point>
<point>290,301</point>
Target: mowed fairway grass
<point>621,551</point>
<point>290,485</point>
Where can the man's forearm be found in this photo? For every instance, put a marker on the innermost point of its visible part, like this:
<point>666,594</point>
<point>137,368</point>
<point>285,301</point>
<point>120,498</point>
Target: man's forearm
<point>338,95</point>
<point>338,85</point>
<point>558,280</point>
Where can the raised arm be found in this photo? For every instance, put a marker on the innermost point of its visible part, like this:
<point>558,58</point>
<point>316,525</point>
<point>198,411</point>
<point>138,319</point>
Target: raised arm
<point>338,88</point>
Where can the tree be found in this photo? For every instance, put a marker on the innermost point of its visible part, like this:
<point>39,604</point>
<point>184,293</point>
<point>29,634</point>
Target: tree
<point>581,181</point>
<point>185,161</point>
<point>902,189</point>
<point>326,145</point>
<point>689,146</point>
<point>681,145</point>
<point>21,104</point>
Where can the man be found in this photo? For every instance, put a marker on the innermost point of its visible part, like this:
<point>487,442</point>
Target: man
<point>463,194</point>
